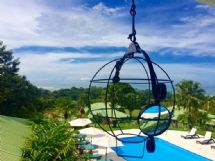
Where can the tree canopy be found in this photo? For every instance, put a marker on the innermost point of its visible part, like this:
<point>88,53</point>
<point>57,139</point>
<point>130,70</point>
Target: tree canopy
<point>190,96</point>
<point>17,95</point>
<point>8,65</point>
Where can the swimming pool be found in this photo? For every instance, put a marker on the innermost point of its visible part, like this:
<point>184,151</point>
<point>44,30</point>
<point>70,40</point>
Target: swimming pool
<point>165,151</point>
<point>155,109</point>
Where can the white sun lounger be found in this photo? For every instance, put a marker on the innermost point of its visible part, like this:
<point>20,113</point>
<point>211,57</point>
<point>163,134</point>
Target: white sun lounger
<point>207,138</point>
<point>192,134</point>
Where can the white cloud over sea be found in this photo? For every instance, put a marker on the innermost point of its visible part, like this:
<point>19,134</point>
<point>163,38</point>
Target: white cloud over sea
<point>185,28</point>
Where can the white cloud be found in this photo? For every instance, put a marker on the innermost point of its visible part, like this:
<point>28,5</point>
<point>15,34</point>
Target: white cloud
<point>32,23</point>
<point>18,22</point>
<point>81,27</point>
<point>35,23</point>
<point>101,8</point>
<point>45,70</point>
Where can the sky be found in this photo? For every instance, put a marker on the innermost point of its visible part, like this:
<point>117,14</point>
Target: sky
<point>62,43</point>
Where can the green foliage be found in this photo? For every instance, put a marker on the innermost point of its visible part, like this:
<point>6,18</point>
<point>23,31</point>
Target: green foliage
<point>117,94</point>
<point>127,97</point>
<point>131,102</point>
<point>17,95</point>
<point>82,100</point>
<point>96,93</point>
<point>142,98</point>
<point>8,65</point>
<point>51,141</point>
<point>201,118</point>
<point>72,93</point>
<point>182,118</point>
<point>37,118</point>
<point>209,104</point>
<point>197,106</point>
<point>66,106</point>
<point>189,96</point>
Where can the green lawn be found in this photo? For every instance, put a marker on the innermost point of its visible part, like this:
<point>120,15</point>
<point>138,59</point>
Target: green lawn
<point>12,134</point>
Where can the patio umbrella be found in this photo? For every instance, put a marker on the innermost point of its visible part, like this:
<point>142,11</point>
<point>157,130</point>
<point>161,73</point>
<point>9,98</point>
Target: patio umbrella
<point>80,122</point>
<point>107,142</point>
<point>92,131</point>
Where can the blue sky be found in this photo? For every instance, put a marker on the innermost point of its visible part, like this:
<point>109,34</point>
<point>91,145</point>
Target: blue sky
<point>62,43</point>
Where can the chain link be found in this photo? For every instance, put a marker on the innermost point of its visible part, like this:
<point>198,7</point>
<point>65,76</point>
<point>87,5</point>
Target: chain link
<point>132,36</point>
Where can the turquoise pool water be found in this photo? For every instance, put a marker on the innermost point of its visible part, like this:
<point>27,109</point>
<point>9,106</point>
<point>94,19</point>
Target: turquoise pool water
<point>155,109</point>
<point>165,151</point>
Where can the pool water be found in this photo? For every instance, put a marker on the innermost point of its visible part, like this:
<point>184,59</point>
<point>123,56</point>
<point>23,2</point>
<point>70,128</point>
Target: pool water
<point>155,109</point>
<point>165,151</point>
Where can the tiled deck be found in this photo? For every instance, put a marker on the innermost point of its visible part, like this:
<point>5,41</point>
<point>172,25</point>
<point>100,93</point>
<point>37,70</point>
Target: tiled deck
<point>173,137</point>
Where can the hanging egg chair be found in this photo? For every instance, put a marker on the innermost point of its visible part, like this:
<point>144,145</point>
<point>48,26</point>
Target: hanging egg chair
<point>133,83</point>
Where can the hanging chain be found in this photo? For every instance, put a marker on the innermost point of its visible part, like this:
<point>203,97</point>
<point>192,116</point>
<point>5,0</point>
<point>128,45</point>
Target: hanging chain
<point>132,36</point>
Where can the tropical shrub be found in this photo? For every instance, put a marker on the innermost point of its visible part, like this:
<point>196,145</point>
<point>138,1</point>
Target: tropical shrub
<point>50,141</point>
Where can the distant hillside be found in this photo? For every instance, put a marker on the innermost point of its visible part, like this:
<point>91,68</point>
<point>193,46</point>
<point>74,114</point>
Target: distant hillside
<point>12,134</point>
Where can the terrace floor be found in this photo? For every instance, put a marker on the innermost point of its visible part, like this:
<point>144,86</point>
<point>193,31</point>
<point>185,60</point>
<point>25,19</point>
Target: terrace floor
<point>173,137</point>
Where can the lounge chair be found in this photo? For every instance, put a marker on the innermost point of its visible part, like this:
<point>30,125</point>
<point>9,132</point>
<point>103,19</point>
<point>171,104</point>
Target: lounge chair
<point>212,146</point>
<point>207,138</point>
<point>192,134</point>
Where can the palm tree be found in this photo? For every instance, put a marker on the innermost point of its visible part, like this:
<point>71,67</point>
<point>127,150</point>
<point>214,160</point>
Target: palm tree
<point>209,102</point>
<point>189,96</point>
<point>201,117</point>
